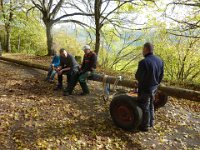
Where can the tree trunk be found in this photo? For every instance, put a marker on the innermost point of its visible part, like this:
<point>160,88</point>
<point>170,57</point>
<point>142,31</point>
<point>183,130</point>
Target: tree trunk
<point>19,41</point>
<point>8,27</point>
<point>4,41</point>
<point>8,36</point>
<point>97,42</point>
<point>0,49</point>
<point>49,39</point>
<point>97,6</point>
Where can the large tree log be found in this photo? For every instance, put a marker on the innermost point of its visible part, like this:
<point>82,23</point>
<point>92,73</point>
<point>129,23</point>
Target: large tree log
<point>26,63</point>
<point>169,90</point>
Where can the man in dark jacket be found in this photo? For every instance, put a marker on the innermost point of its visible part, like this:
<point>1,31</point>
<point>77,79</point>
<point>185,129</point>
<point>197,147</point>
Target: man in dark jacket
<point>87,68</point>
<point>68,66</point>
<point>149,75</point>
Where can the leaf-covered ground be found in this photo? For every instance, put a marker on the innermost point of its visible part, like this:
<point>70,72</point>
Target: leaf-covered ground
<point>33,116</point>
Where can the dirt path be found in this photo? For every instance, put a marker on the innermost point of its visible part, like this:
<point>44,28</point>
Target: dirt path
<point>33,116</point>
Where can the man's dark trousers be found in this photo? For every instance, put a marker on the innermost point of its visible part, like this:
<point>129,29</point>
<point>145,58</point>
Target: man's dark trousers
<point>60,77</point>
<point>72,77</point>
<point>72,82</point>
<point>146,103</point>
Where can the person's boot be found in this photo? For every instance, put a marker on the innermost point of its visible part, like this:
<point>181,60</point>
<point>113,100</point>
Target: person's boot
<point>65,89</point>
<point>51,81</point>
<point>144,129</point>
<point>84,93</point>
<point>151,124</point>
<point>58,87</point>
<point>46,79</point>
<point>66,93</point>
<point>84,88</point>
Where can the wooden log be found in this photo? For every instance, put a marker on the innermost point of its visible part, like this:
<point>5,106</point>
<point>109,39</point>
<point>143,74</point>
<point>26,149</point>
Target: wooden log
<point>180,93</point>
<point>168,90</point>
<point>25,63</point>
<point>112,80</point>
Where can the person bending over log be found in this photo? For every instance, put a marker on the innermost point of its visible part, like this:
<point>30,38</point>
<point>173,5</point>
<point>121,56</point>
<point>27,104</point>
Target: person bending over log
<point>87,69</point>
<point>69,67</point>
<point>149,75</point>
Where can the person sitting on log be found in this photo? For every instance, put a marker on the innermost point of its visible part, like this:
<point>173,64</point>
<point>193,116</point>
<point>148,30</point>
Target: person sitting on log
<point>52,69</point>
<point>87,68</point>
<point>149,75</point>
<point>70,67</point>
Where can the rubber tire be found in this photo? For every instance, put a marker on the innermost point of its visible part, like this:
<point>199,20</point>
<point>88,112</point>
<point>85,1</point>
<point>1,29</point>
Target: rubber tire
<point>160,100</point>
<point>132,105</point>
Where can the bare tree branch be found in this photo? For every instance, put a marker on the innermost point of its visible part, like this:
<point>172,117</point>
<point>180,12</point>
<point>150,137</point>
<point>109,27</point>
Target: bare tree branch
<point>70,15</point>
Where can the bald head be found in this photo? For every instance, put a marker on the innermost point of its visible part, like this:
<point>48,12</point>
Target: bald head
<point>148,48</point>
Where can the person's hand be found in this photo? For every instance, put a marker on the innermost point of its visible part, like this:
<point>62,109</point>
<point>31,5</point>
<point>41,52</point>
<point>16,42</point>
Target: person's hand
<point>58,69</point>
<point>52,66</point>
<point>60,72</point>
<point>89,73</point>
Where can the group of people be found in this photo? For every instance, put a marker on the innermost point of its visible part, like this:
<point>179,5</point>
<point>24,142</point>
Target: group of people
<point>149,75</point>
<point>66,64</point>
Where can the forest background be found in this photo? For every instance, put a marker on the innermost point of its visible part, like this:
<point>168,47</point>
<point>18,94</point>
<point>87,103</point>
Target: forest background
<point>116,31</point>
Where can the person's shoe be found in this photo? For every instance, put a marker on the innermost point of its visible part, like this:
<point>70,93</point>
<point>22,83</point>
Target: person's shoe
<point>51,81</point>
<point>67,94</point>
<point>83,94</point>
<point>151,125</point>
<point>142,129</point>
<point>58,87</point>
<point>46,79</point>
<point>65,90</point>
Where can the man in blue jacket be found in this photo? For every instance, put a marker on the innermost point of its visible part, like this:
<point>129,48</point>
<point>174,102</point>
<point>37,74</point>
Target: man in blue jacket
<point>149,75</point>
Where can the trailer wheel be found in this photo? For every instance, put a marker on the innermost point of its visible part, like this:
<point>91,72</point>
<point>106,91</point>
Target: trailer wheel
<point>125,112</point>
<point>160,100</point>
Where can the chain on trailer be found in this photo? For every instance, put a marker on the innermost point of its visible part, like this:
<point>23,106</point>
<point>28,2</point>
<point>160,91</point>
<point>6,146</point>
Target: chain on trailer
<point>109,92</point>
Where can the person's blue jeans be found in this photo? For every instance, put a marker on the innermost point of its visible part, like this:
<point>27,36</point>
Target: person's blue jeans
<point>146,103</point>
<point>51,73</point>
